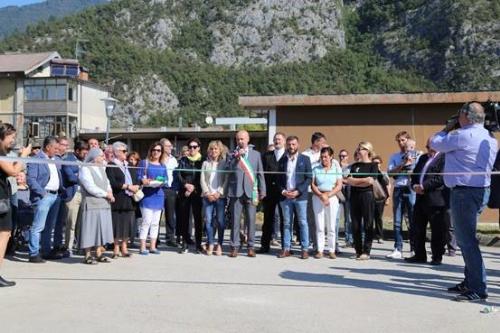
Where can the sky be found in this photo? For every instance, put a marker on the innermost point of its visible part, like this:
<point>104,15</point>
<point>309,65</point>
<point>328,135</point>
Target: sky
<point>5,3</point>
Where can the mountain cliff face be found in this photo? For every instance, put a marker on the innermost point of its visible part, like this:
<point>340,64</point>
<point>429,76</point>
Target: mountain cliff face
<point>168,58</point>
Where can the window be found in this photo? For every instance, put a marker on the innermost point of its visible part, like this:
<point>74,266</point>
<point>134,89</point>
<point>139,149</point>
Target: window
<point>45,90</point>
<point>35,130</point>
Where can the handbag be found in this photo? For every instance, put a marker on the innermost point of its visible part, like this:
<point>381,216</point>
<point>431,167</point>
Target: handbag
<point>378,191</point>
<point>138,196</point>
<point>4,206</point>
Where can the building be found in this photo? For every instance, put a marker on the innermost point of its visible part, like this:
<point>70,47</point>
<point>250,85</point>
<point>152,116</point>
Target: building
<point>43,94</point>
<point>348,119</point>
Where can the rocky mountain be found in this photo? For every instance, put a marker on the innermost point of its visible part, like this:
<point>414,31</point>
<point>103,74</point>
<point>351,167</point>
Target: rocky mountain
<point>167,58</point>
<point>14,18</point>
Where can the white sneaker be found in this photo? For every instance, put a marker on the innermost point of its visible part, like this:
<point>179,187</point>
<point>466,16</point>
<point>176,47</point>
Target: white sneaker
<point>394,255</point>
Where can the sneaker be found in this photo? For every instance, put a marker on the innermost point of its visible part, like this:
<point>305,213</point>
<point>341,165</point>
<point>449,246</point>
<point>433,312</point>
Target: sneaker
<point>318,255</point>
<point>332,255</point>
<point>144,252</point>
<point>394,255</point>
<point>36,259</point>
<point>182,249</point>
<point>459,288</point>
<point>470,296</point>
<point>154,251</point>
<point>364,256</point>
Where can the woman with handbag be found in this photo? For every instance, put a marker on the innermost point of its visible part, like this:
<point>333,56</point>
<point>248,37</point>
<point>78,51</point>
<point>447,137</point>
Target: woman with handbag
<point>362,176</point>
<point>96,228</point>
<point>326,183</point>
<point>123,209</point>
<point>7,169</point>
<point>152,174</point>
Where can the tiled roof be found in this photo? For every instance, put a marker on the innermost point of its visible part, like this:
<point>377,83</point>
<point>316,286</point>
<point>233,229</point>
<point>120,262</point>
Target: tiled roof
<point>24,62</point>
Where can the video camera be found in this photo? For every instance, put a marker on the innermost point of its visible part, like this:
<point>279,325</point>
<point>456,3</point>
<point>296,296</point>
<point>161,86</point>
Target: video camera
<point>491,117</point>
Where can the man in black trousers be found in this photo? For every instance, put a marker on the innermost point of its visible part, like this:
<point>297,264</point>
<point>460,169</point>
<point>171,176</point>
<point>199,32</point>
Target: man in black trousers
<point>270,162</point>
<point>432,206</point>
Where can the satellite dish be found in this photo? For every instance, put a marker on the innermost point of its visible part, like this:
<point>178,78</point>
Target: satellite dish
<point>209,120</point>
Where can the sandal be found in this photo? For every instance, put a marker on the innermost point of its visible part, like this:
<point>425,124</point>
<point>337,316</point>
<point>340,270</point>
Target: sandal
<point>89,261</point>
<point>103,258</point>
<point>126,255</point>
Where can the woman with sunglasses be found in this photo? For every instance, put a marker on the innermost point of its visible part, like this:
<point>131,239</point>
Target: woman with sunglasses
<point>361,178</point>
<point>189,195</point>
<point>123,209</point>
<point>213,185</point>
<point>151,172</point>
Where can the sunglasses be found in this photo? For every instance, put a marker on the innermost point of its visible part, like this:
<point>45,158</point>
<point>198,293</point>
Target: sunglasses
<point>342,156</point>
<point>193,147</point>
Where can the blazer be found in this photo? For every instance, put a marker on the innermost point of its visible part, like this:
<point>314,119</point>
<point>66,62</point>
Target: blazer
<point>269,163</point>
<point>436,194</point>
<point>37,177</point>
<point>116,177</point>
<point>303,175</point>
<point>69,178</point>
<point>238,182</point>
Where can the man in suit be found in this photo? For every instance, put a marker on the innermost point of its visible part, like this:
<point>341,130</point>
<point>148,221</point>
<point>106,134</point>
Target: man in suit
<point>270,162</point>
<point>44,180</point>
<point>293,184</point>
<point>246,186</point>
<point>431,206</point>
<point>72,197</point>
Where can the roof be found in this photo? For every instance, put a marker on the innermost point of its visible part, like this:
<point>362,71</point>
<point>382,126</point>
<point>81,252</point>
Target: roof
<point>24,62</point>
<point>367,99</point>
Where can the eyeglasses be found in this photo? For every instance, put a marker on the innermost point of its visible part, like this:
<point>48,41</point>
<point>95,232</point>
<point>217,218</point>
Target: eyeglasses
<point>123,150</point>
<point>156,150</point>
<point>193,147</point>
<point>342,156</point>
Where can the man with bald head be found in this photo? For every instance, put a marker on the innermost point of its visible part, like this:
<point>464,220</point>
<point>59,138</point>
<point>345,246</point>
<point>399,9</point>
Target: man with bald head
<point>246,186</point>
<point>470,153</point>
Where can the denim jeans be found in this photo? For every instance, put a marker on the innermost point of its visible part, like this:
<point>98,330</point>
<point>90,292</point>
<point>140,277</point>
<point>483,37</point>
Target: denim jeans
<point>466,206</point>
<point>42,209</point>
<point>289,206</point>
<point>403,198</point>
<point>208,208</point>
<point>346,209</point>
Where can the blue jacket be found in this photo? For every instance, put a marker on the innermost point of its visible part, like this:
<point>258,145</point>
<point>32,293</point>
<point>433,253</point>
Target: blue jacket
<point>303,176</point>
<point>69,178</point>
<point>38,176</point>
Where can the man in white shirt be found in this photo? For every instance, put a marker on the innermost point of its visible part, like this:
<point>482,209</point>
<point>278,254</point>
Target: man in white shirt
<point>171,163</point>
<point>318,141</point>
<point>44,180</point>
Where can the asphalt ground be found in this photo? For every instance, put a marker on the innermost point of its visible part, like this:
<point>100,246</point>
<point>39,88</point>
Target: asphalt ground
<point>174,292</point>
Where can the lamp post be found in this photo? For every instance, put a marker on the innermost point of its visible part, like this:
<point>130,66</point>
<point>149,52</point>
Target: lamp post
<point>109,105</point>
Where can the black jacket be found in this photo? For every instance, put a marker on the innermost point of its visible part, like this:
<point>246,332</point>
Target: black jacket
<point>269,163</point>
<point>117,179</point>
<point>189,173</point>
<point>436,194</point>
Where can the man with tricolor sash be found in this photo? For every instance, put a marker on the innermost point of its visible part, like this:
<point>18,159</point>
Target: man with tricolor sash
<point>246,187</point>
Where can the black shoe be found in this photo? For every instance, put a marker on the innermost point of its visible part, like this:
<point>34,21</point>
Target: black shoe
<point>36,259</point>
<point>459,288</point>
<point>436,262</point>
<point>189,242</point>
<point>470,296</point>
<point>172,243</point>
<point>263,250</point>
<point>5,283</point>
<point>416,260</point>
<point>182,249</point>
<point>53,255</point>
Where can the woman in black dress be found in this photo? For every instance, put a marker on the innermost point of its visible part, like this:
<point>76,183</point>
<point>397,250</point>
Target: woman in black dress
<point>361,178</point>
<point>7,169</point>
<point>123,209</point>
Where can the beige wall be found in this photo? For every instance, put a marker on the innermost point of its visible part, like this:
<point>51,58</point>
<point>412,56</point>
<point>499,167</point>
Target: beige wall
<point>91,108</point>
<point>7,92</point>
<point>346,126</point>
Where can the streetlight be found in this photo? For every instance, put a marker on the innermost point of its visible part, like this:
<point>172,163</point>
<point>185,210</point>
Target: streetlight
<point>109,105</point>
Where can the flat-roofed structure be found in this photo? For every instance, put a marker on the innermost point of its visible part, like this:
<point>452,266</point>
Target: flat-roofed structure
<point>348,119</point>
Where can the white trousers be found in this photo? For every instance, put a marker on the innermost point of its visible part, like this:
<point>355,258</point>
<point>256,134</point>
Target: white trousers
<point>325,216</point>
<point>150,222</point>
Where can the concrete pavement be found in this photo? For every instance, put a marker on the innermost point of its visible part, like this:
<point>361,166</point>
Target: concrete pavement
<point>195,293</point>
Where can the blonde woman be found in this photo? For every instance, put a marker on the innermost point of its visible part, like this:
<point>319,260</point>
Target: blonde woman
<point>361,178</point>
<point>213,185</point>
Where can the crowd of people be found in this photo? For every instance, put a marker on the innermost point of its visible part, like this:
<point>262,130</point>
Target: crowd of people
<point>93,200</point>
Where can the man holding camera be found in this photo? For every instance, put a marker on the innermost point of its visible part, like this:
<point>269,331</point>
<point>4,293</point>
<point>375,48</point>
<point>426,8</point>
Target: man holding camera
<point>470,153</point>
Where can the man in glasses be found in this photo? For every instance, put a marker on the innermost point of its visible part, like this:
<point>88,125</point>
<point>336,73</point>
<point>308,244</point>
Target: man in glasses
<point>246,186</point>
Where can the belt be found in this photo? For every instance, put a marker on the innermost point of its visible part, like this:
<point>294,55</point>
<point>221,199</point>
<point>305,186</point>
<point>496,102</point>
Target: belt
<point>477,187</point>
<point>51,192</point>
